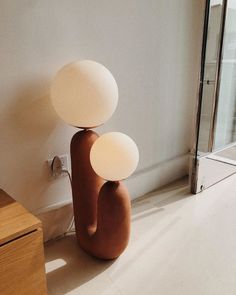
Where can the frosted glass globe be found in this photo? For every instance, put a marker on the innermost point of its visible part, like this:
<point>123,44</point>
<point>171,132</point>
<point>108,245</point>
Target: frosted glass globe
<point>114,156</point>
<point>84,94</point>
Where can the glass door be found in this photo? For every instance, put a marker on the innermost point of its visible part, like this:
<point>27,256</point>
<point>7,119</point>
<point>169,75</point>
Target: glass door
<point>209,73</point>
<point>214,156</point>
<point>225,129</point>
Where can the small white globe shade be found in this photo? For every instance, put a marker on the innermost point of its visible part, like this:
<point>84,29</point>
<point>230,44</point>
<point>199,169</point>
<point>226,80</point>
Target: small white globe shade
<point>114,156</point>
<point>84,94</point>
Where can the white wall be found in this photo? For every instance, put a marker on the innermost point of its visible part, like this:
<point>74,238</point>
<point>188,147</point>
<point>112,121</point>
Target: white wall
<point>151,47</point>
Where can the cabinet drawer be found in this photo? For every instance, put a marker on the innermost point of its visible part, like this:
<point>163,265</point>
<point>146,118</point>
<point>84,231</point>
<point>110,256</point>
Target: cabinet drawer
<point>22,266</point>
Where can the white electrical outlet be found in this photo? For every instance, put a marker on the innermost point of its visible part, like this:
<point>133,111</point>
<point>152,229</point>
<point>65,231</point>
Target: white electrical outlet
<point>61,163</point>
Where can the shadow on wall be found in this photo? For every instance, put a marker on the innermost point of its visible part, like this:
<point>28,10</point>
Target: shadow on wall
<point>33,117</point>
<point>26,126</point>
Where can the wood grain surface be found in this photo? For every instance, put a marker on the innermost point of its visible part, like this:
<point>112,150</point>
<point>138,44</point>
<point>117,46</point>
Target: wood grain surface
<point>22,266</point>
<point>22,270</point>
<point>15,220</point>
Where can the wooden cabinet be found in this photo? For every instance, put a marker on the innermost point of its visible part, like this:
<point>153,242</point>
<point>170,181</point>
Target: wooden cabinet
<point>22,269</point>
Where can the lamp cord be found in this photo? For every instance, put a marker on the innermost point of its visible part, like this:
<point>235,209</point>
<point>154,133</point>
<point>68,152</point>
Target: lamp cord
<point>69,228</point>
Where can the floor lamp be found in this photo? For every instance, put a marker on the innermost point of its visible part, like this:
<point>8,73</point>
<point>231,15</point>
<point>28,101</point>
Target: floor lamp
<point>85,95</point>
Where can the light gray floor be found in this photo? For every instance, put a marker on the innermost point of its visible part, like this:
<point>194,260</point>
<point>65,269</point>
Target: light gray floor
<point>229,153</point>
<point>180,245</point>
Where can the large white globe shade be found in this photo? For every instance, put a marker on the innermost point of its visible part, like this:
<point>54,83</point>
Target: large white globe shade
<point>114,156</point>
<point>84,94</point>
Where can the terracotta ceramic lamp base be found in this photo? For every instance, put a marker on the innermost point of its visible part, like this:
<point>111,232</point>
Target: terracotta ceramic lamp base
<point>101,210</point>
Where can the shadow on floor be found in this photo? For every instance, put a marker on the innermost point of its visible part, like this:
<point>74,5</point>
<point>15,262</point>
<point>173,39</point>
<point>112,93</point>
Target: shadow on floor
<point>70,267</point>
<point>157,201</point>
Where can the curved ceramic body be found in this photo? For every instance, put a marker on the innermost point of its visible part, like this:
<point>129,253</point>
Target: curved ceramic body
<point>85,183</point>
<point>102,211</point>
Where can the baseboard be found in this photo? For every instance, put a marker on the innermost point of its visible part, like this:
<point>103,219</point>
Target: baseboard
<point>157,175</point>
<point>57,218</point>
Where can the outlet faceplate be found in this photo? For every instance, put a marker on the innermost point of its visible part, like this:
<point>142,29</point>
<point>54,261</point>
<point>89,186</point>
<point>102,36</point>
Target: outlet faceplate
<point>58,164</point>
